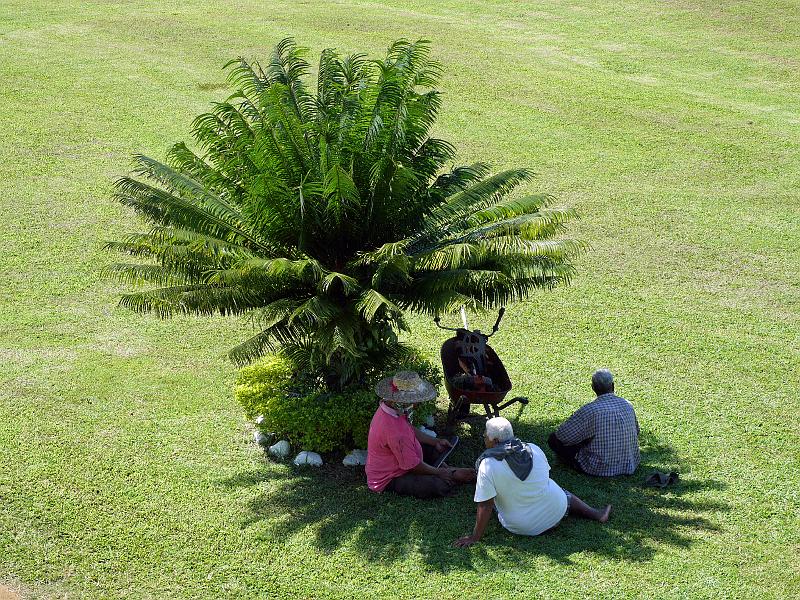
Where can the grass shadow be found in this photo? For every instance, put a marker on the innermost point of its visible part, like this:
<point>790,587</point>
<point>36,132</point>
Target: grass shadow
<point>334,508</point>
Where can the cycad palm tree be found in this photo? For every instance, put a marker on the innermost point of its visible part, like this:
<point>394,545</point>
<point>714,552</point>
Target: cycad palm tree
<point>325,216</point>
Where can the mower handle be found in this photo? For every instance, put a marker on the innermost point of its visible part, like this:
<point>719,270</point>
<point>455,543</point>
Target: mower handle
<point>497,323</point>
<point>437,319</point>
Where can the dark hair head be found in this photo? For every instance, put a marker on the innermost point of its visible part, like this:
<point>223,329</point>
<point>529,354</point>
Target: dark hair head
<point>602,382</point>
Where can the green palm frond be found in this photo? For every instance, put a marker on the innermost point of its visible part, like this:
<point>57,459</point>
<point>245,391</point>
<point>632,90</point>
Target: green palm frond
<point>247,77</point>
<point>184,186</point>
<point>315,311</point>
<point>509,207</point>
<point>306,269</point>
<point>479,196</point>
<point>270,339</point>
<point>137,274</point>
<point>163,208</point>
<point>183,160</point>
<point>372,304</point>
<point>288,67</point>
<point>198,299</point>
<point>348,284</point>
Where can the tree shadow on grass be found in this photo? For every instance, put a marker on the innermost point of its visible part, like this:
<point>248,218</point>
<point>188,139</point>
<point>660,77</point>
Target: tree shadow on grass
<point>333,507</point>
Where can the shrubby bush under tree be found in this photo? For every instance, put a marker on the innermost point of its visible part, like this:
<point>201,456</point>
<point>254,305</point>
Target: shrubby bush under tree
<point>314,419</point>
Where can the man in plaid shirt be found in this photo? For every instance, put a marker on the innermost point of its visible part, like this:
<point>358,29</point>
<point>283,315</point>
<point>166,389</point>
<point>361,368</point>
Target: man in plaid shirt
<point>602,437</point>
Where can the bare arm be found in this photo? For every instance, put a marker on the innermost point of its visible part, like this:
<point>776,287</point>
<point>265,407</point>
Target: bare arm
<point>424,468</point>
<point>424,438</point>
<point>429,440</point>
<point>482,519</point>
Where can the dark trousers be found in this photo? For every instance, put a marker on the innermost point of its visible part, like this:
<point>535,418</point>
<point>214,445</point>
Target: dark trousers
<point>567,454</point>
<point>421,486</point>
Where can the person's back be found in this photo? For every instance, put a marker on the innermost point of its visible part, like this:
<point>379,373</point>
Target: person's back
<point>524,507</point>
<point>514,479</point>
<point>614,430</point>
<point>602,437</point>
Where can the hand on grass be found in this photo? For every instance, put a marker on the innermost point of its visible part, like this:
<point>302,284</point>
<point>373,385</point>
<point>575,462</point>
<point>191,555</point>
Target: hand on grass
<point>465,542</point>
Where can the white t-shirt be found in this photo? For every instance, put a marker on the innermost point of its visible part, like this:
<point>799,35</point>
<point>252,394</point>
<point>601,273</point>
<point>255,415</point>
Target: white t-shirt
<point>527,507</point>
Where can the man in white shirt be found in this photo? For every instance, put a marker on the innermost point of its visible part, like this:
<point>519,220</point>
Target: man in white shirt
<point>514,478</point>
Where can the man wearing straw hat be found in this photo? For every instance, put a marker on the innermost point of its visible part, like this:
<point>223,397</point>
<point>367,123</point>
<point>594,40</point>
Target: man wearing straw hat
<point>395,458</point>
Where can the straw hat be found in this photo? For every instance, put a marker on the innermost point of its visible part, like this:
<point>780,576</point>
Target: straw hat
<point>406,387</point>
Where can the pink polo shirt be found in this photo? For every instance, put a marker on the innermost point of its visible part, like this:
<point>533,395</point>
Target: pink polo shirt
<point>392,448</point>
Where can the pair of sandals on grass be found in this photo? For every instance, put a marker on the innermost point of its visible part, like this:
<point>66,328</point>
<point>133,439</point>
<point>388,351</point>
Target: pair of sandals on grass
<point>661,480</point>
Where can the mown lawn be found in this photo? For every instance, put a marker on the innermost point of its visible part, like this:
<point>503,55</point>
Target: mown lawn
<point>126,468</point>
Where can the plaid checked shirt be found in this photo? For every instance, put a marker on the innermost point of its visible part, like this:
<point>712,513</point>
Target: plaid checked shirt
<point>609,429</point>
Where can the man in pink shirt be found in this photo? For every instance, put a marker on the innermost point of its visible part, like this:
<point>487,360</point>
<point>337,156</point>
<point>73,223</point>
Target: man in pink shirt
<point>395,458</point>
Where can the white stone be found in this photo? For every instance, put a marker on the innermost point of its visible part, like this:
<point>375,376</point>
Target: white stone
<point>308,458</point>
<point>281,449</point>
<point>259,419</point>
<point>430,421</point>
<point>260,439</point>
<point>355,458</point>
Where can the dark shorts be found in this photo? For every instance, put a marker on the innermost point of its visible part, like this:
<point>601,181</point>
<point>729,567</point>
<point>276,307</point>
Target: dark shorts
<point>567,454</point>
<point>424,486</point>
<point>419,486</point>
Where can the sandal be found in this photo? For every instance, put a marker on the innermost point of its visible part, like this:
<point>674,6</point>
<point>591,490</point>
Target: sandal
<point>661,480</point>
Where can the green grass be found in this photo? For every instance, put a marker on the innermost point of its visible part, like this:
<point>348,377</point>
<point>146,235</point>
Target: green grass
<point>127,470</point>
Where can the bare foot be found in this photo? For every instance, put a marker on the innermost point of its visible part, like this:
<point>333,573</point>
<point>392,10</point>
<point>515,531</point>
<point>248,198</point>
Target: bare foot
<point>604,515</point>
<point>465,475</point>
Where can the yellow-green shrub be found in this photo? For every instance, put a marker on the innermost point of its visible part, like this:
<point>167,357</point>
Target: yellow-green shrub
<point>313,419</point>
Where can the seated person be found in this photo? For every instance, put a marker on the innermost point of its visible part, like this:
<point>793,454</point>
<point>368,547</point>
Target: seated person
<point>395,459</point>
<point>514,478</point>
<point>602,437</point>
